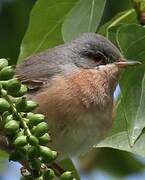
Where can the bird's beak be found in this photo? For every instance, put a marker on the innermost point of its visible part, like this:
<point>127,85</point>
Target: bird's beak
<point>123,63</point>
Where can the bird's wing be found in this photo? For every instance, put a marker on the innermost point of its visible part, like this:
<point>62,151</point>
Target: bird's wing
<point>37,70</point>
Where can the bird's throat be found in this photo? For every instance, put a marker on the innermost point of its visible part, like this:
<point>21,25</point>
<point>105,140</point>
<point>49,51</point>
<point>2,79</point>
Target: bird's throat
<point>94,88</point>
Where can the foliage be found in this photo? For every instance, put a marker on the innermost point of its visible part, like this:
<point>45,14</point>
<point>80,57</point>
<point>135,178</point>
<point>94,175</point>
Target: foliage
<point>54,22</point>
<point>129,123</point>
<point>14,16</point>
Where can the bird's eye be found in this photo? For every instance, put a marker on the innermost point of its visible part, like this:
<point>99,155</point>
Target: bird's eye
<point>100,58</point>
<point>91,58</point>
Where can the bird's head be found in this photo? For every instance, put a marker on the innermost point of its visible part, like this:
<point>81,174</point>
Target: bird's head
<point>94,50</point>
<point>97,52</point>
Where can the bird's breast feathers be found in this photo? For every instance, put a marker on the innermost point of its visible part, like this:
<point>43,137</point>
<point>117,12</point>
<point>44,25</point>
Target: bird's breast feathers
<point>78,116</point>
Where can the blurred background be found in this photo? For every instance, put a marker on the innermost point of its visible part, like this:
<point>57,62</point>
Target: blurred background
<point>102,164</point>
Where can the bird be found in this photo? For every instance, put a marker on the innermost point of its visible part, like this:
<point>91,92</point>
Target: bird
<point>73,83</point>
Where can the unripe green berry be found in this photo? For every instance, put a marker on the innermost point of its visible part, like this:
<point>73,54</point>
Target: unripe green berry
<point>11,126</point>
<point>35,164</point>
<point>41,129</point>
<point>6,73</point>
<point>3,92</point>
<point>20,133</point>
<point>49,174</point>
<point>13,86</point>
<point>66,176</point>
<point>3,84</point>
<point>3,63</point>
<point>21,104</point>
<point>25,148</point>
<point>21,92</point>
<point>30,106</point>
<point>35,119</point>
<point>8,118</point>
<point>5,115</point>
<point>33,152</point>
<point>47,154</point>
<point>54,155</point>
<point>33,140</point>
<point>33,129</point>
<point>20,141</point>
<point>4,105</point>
<point>43,140</point>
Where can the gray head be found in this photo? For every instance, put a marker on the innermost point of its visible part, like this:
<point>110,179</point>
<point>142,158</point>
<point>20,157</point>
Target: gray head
<point>94,49</point>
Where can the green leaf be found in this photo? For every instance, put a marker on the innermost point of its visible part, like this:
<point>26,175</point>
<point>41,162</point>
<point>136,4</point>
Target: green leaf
<point>44,29</point>
<point>68,165</point>
<point>118,163</point>
<point>130,113</point>
<point>131,39</point>
<point>111,33</point>
<point>85,16</point>
<point>14,16</point>
<point>120,141</point>
<point>125,17</point>
<point>112,161</point>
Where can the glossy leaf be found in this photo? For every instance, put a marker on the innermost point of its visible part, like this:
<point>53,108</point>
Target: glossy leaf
<point>131,39</point>
<point>130,113</point>
<point>125,17</point>
<point>122,163</point>
<point>85,16</point>
<point>14,16</point>
<point>120,141</point>
<point>44,29</point>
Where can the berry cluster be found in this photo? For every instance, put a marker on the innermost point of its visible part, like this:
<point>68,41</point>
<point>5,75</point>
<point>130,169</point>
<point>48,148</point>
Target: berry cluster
<point>27,132</point>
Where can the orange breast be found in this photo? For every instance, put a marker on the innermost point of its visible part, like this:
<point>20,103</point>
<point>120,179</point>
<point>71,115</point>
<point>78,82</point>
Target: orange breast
<point>78,109</point>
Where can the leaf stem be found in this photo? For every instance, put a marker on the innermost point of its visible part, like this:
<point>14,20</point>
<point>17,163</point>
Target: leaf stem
<point>115,22</point>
